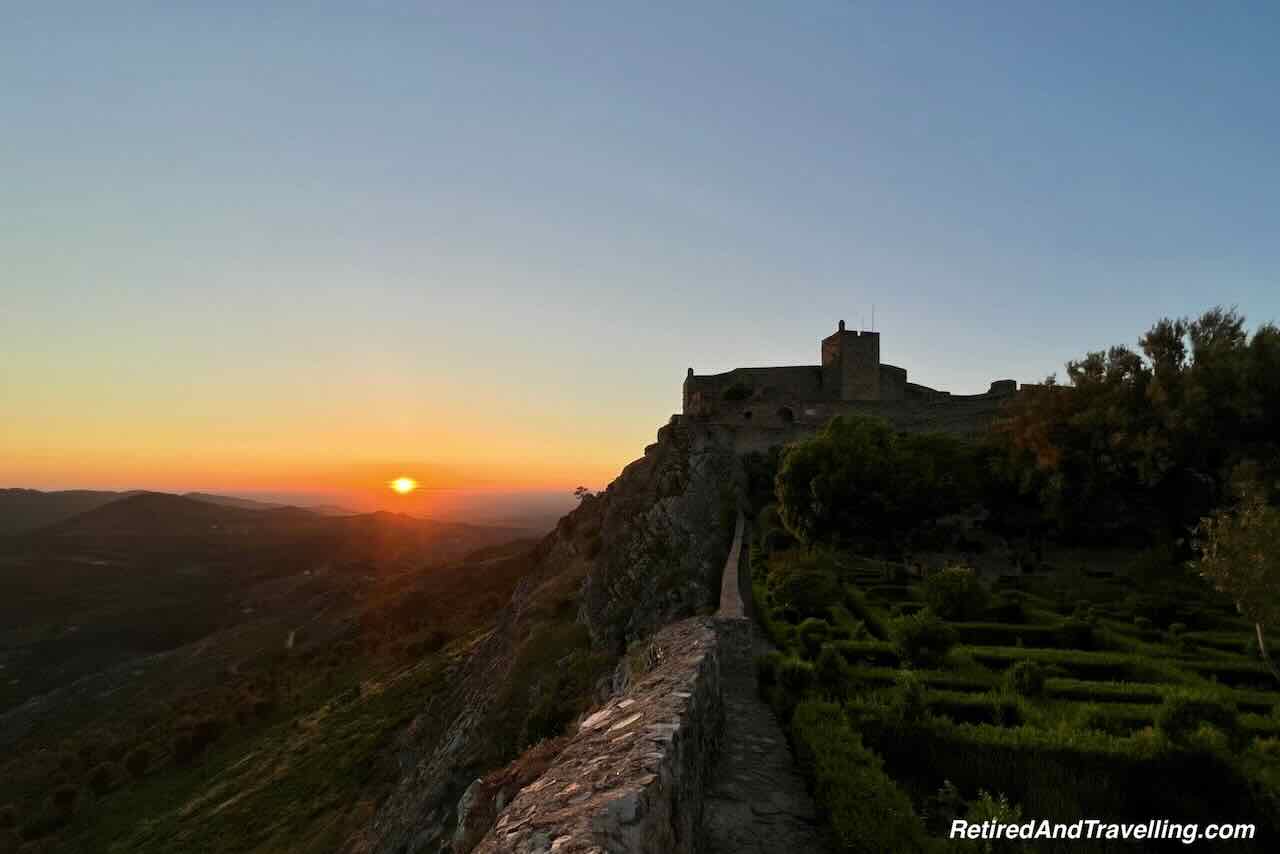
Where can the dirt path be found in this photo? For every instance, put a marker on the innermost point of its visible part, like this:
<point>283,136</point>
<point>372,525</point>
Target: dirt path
<point>757,801</point>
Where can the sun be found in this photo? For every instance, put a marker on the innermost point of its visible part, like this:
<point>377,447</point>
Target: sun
<point>403,485</point>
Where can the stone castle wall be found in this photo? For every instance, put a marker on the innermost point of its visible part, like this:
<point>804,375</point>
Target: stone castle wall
<point>633,778</point>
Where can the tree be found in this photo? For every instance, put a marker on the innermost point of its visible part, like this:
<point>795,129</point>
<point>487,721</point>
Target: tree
<point>582,493</point>
<point>858,478</point>
<point>1136,444</point>
<point>1240,556</point>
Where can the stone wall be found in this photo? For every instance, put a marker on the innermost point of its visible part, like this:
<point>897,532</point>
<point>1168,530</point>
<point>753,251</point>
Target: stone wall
<point>632,779</point>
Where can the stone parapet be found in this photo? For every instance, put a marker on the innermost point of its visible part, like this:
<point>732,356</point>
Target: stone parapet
<point>633,778</point>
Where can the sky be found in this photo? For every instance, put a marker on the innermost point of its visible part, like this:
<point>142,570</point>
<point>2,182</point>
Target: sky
<point>306,250</point>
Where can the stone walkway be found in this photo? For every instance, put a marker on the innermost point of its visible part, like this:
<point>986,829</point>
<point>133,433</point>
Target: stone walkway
<point>758,803</point>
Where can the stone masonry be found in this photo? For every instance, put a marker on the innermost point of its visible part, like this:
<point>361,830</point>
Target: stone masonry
<point>631,781</point>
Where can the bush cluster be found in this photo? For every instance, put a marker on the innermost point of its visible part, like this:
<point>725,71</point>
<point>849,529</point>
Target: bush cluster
<point>922,638</point>
<point>956,593</point>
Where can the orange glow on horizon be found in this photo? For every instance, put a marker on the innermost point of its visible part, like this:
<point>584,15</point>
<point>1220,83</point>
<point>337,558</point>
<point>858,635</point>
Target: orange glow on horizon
<point>403,485</point>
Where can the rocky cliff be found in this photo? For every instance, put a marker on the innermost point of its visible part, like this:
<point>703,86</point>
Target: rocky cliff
<point>645,552</point>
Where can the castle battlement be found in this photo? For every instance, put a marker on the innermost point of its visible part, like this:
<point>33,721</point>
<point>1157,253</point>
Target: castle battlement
<point>849,378</point>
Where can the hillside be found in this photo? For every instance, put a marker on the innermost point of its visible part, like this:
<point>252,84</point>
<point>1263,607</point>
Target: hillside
<point>29,509</point>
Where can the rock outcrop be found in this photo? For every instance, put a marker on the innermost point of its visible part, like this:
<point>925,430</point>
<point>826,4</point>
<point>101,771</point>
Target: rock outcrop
<point>643,553</point>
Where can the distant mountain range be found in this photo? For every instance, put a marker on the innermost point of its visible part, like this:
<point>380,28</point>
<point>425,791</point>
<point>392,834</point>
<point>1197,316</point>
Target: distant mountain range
<point>23,510</point>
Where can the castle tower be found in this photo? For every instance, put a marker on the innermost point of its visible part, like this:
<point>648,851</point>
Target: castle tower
<point>851,365</point>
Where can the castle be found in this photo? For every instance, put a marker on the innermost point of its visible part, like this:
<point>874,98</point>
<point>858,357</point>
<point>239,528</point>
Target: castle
<point>771,404</point>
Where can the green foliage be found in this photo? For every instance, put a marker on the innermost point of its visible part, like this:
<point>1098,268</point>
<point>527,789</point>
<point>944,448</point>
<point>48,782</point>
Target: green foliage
<point>998,810</point>
<point>805,583</point>
<point>909,697</point>
<point>830,670</point>
<point>857,478</point>
<point>867,812</point>
<point>550,684</point>
<point>795,676</point>
<point>993,707</point>
<point>1141,446</point>
<point>1104,666</point>
<point>955,593</point>
<point>1239,555</point>
<point>864,652</point>
<point>922,638</point>
<point>1026,679</point>
<point>813,633</point>
<point>1184,712</point>
<point>737,392</point>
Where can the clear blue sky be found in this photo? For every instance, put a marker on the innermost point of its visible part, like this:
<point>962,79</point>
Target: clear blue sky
<point>246,224</point>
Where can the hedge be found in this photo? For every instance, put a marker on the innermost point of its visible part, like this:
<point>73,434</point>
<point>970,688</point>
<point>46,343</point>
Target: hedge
<point>856,602</point>
<point>989,708</point>
<point>1103,666</point>
<point>1104,692</point>
<point>1229,673</point>
<point>1008,634</point>
<point>866,810</point>
<point>1064,775</point>
<point>874,652</point>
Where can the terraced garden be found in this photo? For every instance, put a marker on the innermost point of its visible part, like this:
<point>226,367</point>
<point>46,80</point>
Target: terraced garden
<point>1062,696</point>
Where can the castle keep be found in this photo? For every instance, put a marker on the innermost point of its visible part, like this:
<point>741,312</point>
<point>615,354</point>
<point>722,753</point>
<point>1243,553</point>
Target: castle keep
<point>774,404</point>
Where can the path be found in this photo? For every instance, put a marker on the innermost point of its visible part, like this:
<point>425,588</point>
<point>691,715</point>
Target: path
<point>757,803</point>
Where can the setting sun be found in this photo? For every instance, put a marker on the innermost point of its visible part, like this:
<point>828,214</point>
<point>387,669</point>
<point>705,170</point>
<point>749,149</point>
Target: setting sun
<point>404,485</point>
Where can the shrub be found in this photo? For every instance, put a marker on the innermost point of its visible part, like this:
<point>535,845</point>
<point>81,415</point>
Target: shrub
<point>813,633</point>
<point>922,638</point>
<point>1026,678</point>
<point>1143,624</point>
<point>795,676</point>
<point>866,810</point>
<point>1183,712</point>
<point>998,810</point>
<point>805,583</point>
<point>909,695</point>
<point>830,670</point>
<point>955,593</point>
<point>736,392</point>
<point>8,817</point>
